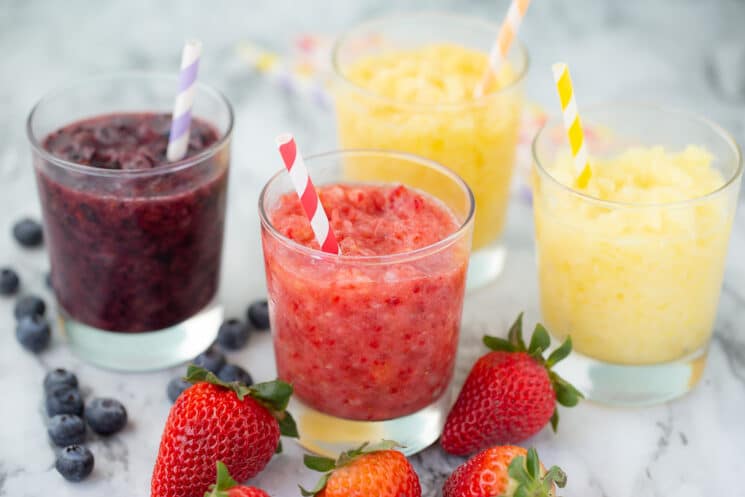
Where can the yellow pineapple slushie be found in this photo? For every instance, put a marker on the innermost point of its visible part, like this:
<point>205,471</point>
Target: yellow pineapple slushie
<point>632,265</point>
<point>420,100</point>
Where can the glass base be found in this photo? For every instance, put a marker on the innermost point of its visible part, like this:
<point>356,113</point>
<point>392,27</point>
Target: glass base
<point>629,385</point>
<point>144,351</point>
<point>329,436</point>
<point>486,265</point>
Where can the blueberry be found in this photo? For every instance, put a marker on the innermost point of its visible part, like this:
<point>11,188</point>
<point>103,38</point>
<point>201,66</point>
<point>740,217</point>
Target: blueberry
<point>9,281</point>
<point>233,334</point>
<point>30,305</point>
<point>211,360</point>
<point>74,463</point>
<point>231,372</point>
<point>59,377</point>
<point>33,333</point>
<point>105,416</point>
<point>64,400</point>
<point>258,315</point>
<point>175,387</point>
<point>28,233</point>
<point>66,429</point>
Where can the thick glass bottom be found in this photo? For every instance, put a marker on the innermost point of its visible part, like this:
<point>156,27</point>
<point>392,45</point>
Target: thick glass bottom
<point>329,436</point>
<point>630,385</point>
<point>144,351</point>
<point>486,265</point>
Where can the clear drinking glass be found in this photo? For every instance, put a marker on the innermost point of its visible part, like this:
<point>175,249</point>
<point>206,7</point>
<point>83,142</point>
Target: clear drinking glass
<point>636,285</point>
<point>475,137</point>
<point>135,254</point>
<point>368,342</point>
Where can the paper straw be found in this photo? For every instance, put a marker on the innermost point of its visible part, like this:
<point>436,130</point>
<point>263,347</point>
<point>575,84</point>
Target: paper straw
<point>572,123</point>
<point>178,141</point>
<point>502,44</point>
<point>309,198</point>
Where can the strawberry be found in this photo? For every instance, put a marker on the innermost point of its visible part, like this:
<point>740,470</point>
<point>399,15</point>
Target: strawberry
<point>368,471</point>
<point>226,486</point>
<point>216,421</point>
<point>505,472</point>
<point>510,393</point>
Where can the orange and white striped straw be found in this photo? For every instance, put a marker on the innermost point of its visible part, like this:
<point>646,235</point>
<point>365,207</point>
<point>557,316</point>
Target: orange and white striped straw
<point>572,123</point>
<point>307,193</point>
<point>502,45</point>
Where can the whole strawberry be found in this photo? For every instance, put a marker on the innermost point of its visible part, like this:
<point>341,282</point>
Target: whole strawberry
<point>505,471</point>
<point>226,486</point>
<point>368,471</point>
<point>510,394</point>
<point>216,421</point>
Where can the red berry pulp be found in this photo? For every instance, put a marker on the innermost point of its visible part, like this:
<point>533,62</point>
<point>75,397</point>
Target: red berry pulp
<point>132,252</point>
<point>358,339</point>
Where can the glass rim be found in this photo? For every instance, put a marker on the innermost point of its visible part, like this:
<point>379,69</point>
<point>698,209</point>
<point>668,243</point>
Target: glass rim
<point>171,167</point>
<point>371,259</point>
<point>476,22</point>
<point>722,133</point>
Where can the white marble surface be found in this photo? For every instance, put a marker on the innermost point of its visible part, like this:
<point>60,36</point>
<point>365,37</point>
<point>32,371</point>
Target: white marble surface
<point>685,53</point>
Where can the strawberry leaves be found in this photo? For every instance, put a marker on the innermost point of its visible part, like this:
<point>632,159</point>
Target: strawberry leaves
<point>224,482</point>
<point>561,353</point>
<point>327,465</point>
<point>531,479</point>
<point>515,335</point>
<point>540,341</point>
<point>273,395</point>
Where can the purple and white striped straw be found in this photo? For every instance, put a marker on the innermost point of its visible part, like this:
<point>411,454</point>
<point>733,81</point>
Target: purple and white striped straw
<point>178,141</point>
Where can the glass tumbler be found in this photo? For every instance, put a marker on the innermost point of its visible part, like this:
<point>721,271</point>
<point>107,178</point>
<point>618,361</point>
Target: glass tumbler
<point>368,342</point>
<point>636,284</point>
<point>388,97</point>
<point>135,253</point>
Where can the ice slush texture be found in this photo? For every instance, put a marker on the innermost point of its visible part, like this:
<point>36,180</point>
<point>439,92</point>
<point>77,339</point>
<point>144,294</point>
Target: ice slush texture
<point>420,100</point>
<point>637,284</point>
<point>366,341</point>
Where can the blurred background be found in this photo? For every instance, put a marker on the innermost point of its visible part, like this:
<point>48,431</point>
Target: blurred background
<point>683,53</point>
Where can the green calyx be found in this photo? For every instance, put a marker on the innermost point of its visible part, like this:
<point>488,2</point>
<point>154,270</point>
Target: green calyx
<point>540,341</point>
<point>224,482</point>
<point>327,465</point>
<point>530,478</point>
<point>273,395</point>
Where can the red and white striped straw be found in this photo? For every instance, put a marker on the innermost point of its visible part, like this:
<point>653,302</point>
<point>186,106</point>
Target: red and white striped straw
<point>502,45</point>
<point>309,198</point>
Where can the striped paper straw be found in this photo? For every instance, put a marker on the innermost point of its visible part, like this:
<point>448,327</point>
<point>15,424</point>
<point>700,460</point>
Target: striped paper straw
<point>309,198</point>
<point>178,141</point>
<point>572,123</point>
<point>504,40</point>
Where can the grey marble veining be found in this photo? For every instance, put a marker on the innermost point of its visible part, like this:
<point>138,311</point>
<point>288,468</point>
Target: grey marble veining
<point>679,52</point>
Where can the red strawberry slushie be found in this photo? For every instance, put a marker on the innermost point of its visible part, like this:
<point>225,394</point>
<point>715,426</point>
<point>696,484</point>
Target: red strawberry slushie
<point>371,335</point>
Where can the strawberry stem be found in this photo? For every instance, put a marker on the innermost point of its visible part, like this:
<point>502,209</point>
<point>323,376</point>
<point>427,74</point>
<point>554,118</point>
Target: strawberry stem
<point>531,480</point>
<point>224,482</point>
<point>273,395</point>
<point>327,465</point>
<point>566,394</point>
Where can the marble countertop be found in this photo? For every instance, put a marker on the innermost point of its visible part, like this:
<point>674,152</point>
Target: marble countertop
<point>683,53</point>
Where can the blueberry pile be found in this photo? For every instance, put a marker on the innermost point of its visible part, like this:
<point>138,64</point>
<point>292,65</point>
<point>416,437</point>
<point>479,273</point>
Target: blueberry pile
<point>32,328</point>
<point>68,416</point>
<point>33,331</point>
<point>9,281</point>
<point>232,335</point>
<point>28,233</point>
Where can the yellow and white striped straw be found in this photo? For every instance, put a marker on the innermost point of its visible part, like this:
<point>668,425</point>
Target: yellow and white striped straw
<point>502,45</point>
<point>572,123</point>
